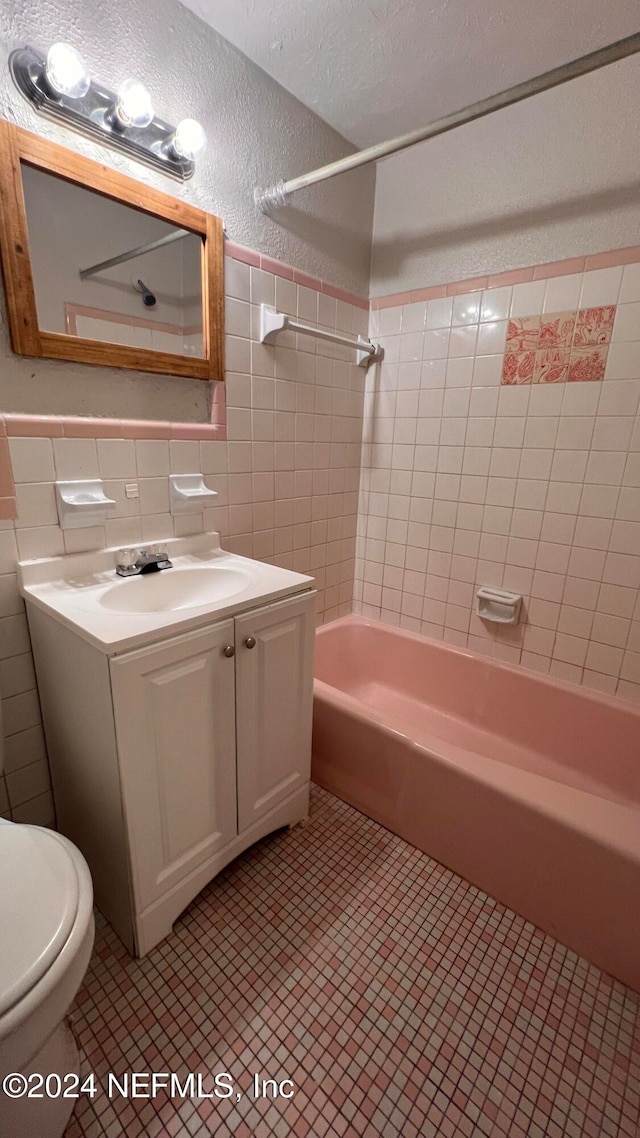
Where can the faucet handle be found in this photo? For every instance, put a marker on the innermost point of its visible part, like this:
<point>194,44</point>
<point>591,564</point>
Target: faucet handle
<point>158,549</point>
<point>126,558</point>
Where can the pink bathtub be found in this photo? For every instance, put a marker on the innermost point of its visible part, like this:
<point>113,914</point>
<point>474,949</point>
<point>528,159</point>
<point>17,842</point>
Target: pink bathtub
<point>528,787</point>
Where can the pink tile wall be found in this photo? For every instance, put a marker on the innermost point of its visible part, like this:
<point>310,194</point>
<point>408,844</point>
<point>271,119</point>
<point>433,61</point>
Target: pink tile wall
<point>287,477</point>
<point>534,486</point>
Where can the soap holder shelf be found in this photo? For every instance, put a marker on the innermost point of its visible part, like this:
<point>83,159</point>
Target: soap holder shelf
<point>498,606</point>
<point>82,503</point>
<point>188,494</point>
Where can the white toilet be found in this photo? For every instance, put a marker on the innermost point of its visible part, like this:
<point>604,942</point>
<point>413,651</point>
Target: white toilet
<point>46,938</point>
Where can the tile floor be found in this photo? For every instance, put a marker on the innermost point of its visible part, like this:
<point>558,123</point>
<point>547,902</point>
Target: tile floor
<point>398,999</point>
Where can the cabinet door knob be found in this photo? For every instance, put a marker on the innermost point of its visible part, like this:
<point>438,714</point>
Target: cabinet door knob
<point>229,651</point>
<point>250,642</point>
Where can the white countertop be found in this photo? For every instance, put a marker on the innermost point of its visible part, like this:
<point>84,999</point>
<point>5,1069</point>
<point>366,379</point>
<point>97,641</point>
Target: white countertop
<point>78,590</point>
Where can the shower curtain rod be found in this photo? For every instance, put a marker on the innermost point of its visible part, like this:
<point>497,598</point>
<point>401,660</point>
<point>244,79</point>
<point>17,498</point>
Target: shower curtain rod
<point>131,253</point>
<point>280,194</point>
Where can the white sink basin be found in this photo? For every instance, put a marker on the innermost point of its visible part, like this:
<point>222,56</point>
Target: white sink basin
<point>115,614</point>
<point>172,589</point>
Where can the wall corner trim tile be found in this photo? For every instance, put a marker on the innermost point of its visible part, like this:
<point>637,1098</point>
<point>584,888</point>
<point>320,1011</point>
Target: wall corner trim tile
<point>610,259</point>
<point>7,487</point>
<point>84,427</point>
<point>8,509</point>
<point>288,272</point>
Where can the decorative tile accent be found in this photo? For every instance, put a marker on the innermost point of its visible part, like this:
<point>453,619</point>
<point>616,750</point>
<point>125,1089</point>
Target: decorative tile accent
<point>552,365</point>
<point>587,364</point>
<point>556,330</point>
<point>518,367</point>
<point>594,326</point>
<point>399,999</point>
<point>523,334</point>
<point>571,346</point>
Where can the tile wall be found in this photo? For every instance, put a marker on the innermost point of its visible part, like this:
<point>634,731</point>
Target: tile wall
<point>467,478</point>
<point>287,479</point>
<point>476,471</point>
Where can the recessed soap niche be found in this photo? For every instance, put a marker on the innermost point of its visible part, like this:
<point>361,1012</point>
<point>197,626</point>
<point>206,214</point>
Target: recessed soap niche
<point>498,606</point>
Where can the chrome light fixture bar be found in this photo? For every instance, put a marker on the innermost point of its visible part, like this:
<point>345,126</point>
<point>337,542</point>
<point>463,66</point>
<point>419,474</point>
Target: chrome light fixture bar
<point>59,87</point>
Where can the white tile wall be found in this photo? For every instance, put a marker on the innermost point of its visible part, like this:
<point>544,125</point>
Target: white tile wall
<point>287,480</point>
<point>534,488</point>
<point>463,483</point>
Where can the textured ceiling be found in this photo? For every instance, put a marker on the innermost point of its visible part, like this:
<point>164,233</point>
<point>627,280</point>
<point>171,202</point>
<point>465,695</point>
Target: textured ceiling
<point>377,68</point>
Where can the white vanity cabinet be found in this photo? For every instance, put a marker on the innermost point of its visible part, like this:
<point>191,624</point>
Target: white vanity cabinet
<point>214,733</point>
<point>274,698</point>
<point>171,759</point>
<point>174,709</point>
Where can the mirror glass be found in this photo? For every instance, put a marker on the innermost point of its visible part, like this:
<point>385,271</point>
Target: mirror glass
<point>151,297</point>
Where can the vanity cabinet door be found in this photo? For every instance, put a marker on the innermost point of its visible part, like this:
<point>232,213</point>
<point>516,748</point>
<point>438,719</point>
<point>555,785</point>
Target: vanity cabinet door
<point>274,699</point>
<point>174,712</point>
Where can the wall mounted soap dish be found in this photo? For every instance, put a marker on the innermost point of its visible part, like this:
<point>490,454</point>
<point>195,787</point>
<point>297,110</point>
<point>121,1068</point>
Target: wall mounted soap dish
<point>82,503</point>
<point>188,494</point>
<point>498,606</point>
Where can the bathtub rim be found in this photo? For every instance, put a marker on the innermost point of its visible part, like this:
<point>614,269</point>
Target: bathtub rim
<point>613,702</point>
<point>619,834</point>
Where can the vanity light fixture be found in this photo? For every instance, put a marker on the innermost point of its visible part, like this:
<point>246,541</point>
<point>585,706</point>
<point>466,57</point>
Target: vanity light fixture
<point>60,87</point>
<point>66,71</point>
<point>189,139</point>
<point>133,105</point>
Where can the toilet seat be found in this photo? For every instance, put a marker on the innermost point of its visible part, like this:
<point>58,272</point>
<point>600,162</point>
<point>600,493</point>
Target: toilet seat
<point>40,887</point>
<point>46,938</point>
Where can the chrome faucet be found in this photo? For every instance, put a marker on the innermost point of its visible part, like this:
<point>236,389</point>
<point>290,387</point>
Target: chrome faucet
<point>133,562</point>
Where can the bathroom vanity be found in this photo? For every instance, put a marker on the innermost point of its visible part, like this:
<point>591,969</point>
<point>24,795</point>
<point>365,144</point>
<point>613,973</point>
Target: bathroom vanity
<point>177,710</point>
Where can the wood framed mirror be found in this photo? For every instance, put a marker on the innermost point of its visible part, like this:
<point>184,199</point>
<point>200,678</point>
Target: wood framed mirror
<point>101,269</point>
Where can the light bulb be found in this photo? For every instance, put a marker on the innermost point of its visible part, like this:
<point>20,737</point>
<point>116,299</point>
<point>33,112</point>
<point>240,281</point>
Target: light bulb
<point>133,106</point>
<point>66,71</point>
<point>189,139</point>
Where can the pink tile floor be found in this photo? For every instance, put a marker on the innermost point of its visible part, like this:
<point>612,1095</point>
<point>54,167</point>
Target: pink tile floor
<point>399,999</point>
